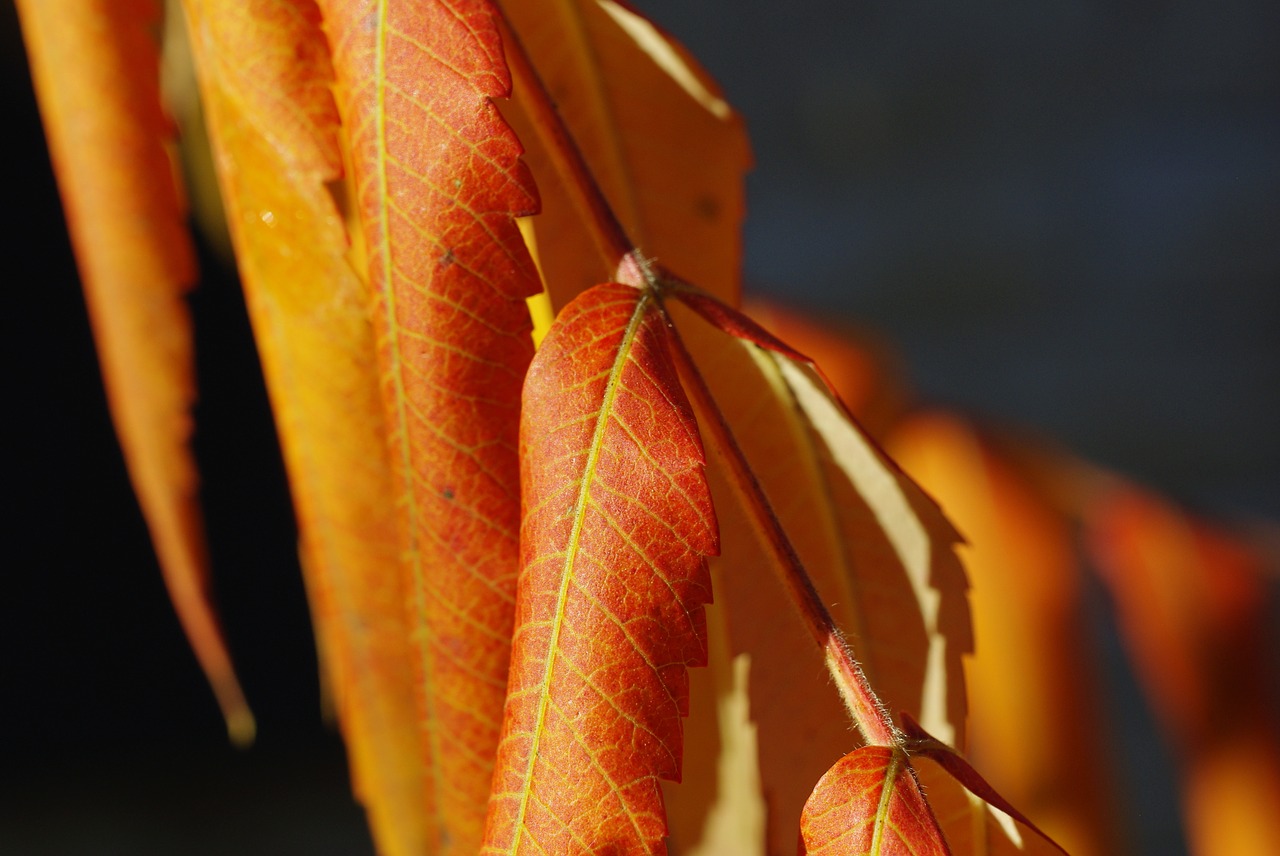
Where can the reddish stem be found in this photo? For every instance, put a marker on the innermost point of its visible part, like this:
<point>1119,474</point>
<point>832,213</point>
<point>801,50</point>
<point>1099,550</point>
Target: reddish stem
<point>867,711</point>
<point>566,159</point>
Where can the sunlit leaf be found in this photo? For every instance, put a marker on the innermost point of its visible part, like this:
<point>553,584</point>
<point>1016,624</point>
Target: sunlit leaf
<point>665,147</point>
<point>618,523</point>
<point>437,186</point>
<point>869,804</point>
<point>266,83</point>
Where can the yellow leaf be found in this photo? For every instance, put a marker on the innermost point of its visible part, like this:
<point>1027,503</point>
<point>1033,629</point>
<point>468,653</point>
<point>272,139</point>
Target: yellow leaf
<point>265,77</point>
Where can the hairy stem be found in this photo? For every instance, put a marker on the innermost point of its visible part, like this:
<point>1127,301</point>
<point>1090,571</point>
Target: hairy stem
<point>865,708</point>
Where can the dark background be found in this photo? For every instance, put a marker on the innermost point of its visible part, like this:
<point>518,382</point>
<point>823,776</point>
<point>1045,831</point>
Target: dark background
<point>1066,215</point>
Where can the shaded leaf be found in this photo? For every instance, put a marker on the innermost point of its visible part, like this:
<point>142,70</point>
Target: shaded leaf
<point>95,64</point>
<point>266,81</point>
<point>904,556</point>
<point>437,185</point>
<point>666,150</point>
<point>618,523</point>
<point>857,523</point>
<point>870,803</point>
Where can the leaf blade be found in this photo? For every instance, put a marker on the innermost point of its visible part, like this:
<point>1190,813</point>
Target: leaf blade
<point>594,554</point>
<point>664,147</point>
<point>869,804</point>
<point>265,76</point>
<point>438,185</point>
<point>95,66</point>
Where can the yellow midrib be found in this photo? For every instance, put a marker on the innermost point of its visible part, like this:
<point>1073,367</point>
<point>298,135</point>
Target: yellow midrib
<point>882,808</point>
<point>571,550</point>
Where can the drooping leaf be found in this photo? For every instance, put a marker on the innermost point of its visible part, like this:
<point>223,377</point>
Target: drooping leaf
<point>991,824</point>
<point>617,527</point>
<point>878,550</point>
<point>869,804</point>
<point>266,82</point>
<point>96,69</point>
<point>437,185</point>
<point>665,148</point>
<point>1034,710</point>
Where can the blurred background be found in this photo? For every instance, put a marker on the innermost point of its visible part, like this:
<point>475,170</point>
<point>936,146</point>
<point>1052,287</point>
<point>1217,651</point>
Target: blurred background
<point>1063,216</point>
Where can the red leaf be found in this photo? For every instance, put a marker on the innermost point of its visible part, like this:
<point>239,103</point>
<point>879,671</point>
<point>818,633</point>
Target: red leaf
<point>870,803</point>
<point>438,183</point>
<point>618,523</point>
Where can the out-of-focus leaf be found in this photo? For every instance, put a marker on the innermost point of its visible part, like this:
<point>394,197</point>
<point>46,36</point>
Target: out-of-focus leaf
<point>437,185</point>
<point>618,524</point>
<point>665,148</point>
<point>96,69</point>
<point>266,81</point>
<point>1034,718</point>
<point>1192,605</point>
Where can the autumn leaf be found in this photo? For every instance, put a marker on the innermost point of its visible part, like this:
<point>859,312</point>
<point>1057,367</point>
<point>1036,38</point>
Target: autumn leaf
<point>266,77</point>
<point>870,803</point>
<point>96,69</point>
<point>437,186</point>
<point>789,456</point>
<point>664,147</point>
<point>878,550</point>
<point>617,527</point>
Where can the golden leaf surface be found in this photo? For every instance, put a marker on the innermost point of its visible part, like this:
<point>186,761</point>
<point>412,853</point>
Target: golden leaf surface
<point>617,527</point>
<point>665,148</point>
<point>437,184</point>
<point>95,64</point>
<point>265,74</point>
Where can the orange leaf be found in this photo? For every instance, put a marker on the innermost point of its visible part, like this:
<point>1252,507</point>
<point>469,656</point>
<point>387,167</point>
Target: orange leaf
<point>266,75</point>
<point>96,69</point>
<point>870,803</point>
<point>618,523</point>
<point>438,183</point>
<point>664,147</point>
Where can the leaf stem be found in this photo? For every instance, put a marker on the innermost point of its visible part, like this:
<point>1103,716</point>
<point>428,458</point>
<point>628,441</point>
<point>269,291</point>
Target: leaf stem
<point>606,230</point>
<point>868,712</point>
